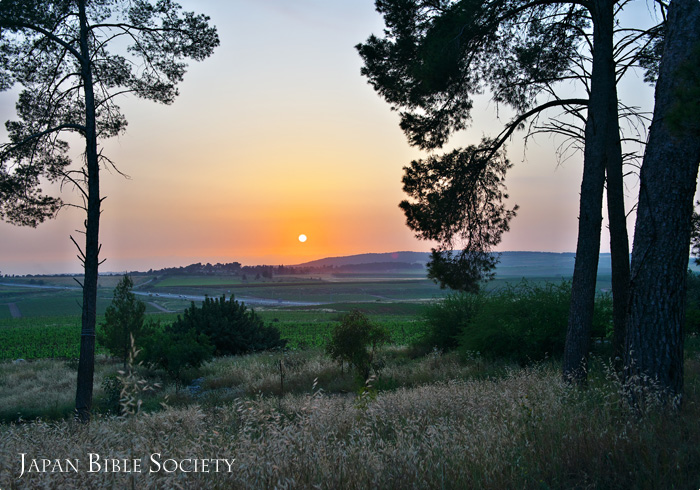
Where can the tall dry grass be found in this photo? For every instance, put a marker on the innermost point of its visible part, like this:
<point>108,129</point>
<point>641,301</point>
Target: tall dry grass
<point>43,388</point>
<point>523,430</point>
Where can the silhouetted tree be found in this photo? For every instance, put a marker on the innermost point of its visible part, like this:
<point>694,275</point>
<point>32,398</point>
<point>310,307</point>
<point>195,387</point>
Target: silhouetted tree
<point>459,197</point>
<point>58,51</point>
<point>668,179</point>
<point>437,54</point>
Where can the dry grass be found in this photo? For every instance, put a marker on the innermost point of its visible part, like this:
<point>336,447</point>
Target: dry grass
<point>43,388</point>
<point>523,430</point>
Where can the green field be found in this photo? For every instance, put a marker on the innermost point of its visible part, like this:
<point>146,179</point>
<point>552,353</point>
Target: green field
<point>49,326</point>
<point>302,308</point>
<point>40,302</point>
<point>200,281</point>
<point>310,328</point>
<point>59,336</point>
<point>38,338</point>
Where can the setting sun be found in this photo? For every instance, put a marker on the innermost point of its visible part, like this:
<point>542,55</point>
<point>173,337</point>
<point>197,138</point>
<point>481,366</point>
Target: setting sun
<point>302,238</point>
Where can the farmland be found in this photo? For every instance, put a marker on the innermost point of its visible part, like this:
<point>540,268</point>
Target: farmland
<point>302,308</point>
<point>40,316</point>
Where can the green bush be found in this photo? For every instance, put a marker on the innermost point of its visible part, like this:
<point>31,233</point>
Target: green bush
<point>522,323</point>
<point>111,389</point>
<point>230,326</point>
<point>527,322</point>
<point>446,319</point>
<point>355,340</point>
<point>176,351</point>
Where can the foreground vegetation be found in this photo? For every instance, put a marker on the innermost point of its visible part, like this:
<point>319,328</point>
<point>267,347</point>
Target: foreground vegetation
<point>427,417</point>
<point>431,421</point>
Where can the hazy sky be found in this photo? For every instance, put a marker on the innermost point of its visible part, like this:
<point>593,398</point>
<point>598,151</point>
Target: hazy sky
<point>276,135</point>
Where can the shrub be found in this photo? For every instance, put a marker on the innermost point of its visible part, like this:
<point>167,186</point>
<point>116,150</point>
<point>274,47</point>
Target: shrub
<point>231,327</point>
<point>446,319</point>
<point>176,351</point>
<point>111,389</point>
<point>526,322</point>
<point>355,340</point>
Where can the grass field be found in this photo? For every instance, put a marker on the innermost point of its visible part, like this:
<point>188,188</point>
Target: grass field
<point>175,293</point>
<point>429,422</point>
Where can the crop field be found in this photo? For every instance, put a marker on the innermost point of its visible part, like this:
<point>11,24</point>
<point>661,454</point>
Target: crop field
<point>67,281</point>
<point>603,283</point>
<point>38,338</point>
<point>314,291</point>
<point>199,281</point>
<point>43,320</point>
<point>40,318</point>
<point>43,302</point>
<point>311,328</point>
<point>58,336</point>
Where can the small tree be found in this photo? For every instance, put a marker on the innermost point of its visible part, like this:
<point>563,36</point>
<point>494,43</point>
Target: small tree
<point>124,318</point>
<point>355,341</point>
<point>232,328</point>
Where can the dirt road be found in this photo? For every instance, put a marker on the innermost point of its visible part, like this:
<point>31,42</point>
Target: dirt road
<point>14,310</point>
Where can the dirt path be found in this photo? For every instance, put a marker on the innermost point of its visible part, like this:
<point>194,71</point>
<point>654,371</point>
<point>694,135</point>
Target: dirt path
<point>157,306</point>
<point>14,310</point>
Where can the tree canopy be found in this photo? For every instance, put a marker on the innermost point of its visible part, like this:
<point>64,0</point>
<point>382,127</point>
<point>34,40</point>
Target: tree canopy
<point>458,201</point>
<point>434,58</point>
<point>437,55</point>
<point>59,53</point>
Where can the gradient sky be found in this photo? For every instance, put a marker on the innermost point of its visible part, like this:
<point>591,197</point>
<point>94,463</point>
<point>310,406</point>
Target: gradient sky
<point>275,135</point>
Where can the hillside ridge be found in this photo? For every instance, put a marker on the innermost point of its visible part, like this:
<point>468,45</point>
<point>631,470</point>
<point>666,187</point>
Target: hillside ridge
<point>512,263</point>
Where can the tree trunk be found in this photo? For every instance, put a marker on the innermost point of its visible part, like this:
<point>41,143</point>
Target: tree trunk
<point>86,364</point>
<point>654,340</point>
<point>600,127</point>
<point>619,241</point>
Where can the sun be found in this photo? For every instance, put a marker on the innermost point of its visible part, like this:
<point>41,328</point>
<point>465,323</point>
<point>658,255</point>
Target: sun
<point>302,238</point>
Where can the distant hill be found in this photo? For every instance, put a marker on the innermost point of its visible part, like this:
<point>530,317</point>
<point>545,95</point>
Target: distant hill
<point>544,264</point>
<point>512,264</point>
<point>397,257</point>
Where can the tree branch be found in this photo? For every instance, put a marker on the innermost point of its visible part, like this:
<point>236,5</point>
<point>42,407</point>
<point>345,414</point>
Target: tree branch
<point>50,35</point>
<point>513,125</point>
<point>41,134</point>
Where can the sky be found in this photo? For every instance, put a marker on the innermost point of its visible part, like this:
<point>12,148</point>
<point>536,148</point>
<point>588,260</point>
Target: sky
<point>277,135</point>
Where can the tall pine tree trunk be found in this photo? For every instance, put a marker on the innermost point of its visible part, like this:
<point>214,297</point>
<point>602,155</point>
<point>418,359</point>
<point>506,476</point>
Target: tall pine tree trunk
<point>600,126</point>
<point>654,340</point>
<point>86,364</point>
<point>619,241</point>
